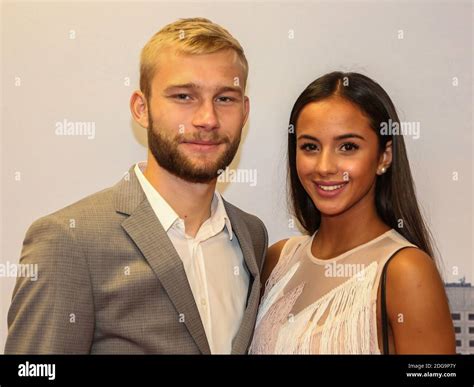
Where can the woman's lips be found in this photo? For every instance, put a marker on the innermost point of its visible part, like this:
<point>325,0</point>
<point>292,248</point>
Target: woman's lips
<point>329,189</point>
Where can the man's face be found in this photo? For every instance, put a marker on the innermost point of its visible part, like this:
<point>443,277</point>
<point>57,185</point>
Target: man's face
<point>196,113</point>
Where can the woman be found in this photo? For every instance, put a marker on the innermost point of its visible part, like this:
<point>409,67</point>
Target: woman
<point>352,191</point>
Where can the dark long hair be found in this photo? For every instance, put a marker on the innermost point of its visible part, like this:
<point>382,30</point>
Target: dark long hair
<point>395,198</point>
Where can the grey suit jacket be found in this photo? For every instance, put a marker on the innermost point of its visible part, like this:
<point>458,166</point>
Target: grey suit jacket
<point>110,281</point>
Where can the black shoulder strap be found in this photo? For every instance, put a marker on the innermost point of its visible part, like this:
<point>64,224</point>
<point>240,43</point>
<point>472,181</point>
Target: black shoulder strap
<point>384,304</point>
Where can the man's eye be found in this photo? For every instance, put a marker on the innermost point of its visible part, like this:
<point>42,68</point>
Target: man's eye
<point>225,99</point>
<point>309,147</point>
<point>349,146</point>
<point>182,97</point>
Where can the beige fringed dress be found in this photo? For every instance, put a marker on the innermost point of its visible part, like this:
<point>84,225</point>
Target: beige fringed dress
<point>316,306</point>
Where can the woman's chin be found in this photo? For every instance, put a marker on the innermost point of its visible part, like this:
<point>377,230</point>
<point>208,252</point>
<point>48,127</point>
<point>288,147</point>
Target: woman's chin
<point>330,210</point>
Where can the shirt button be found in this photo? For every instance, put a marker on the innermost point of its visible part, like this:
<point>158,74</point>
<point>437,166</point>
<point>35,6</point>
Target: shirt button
<point>203,302</point>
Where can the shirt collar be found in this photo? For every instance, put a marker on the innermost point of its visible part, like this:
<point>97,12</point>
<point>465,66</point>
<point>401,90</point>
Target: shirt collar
<point>167,216</point>
<point>218,213</point>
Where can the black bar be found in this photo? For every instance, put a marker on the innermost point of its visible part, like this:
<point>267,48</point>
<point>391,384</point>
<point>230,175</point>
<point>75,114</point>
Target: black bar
<point>156,370</point>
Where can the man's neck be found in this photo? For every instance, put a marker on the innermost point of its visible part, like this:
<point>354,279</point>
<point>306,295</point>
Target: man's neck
<point>191,201</point>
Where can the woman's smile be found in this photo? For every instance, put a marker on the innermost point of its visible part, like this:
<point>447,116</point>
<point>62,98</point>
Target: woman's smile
<point>330,189</point>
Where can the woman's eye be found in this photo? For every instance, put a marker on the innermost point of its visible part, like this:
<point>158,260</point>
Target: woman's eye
<point>349,146</point>
<point>309,147</point>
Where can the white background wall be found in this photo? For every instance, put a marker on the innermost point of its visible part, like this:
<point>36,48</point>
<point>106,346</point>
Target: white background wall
<point>84,79</point>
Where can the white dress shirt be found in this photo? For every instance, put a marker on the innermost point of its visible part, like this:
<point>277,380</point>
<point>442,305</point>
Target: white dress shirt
<point>213,263</point>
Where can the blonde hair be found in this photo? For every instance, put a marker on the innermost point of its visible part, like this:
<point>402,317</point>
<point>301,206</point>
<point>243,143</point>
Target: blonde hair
<point>188,36</point>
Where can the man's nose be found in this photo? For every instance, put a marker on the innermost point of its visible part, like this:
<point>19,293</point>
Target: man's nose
<point>205,117</point>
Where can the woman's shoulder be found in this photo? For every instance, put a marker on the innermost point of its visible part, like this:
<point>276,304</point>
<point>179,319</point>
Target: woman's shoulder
<point>398,238</point>
<point>416,296</point>
<point>287,246</point>
<point>280,249</point>
<point>412,278</point>
<point>411,265</point>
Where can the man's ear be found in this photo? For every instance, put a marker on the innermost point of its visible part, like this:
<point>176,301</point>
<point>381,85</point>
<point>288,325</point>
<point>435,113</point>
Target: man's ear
<point>139,108</point>
<point>385,160</point>
<point>246,108</point>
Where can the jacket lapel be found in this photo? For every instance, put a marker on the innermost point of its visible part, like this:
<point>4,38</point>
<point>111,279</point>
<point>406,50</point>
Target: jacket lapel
<point>241,341</point>
<point>160,253</point>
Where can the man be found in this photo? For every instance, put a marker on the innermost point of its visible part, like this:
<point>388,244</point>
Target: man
<point>158,263</point>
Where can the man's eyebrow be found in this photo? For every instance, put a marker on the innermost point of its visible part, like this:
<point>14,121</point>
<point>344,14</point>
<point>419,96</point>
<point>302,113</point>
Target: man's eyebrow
<point>223,89</point>
<point>182,86</point>
<point>234,89</point>
<point>337,138</point>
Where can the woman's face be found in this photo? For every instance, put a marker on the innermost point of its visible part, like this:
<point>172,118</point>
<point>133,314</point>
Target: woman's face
<point>337,156</point>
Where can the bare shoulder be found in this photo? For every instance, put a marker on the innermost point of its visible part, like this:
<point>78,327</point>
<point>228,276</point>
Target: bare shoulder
<point>271,259</point>
<point>274,250</point>
<point>417,304</point>
<point>412,277</point>
<point>412,267</point>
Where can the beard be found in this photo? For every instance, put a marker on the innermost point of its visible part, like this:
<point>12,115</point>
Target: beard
<point>170,157</point>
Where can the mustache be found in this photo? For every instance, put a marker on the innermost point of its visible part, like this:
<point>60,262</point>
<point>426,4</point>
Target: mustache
<point>202,136</point>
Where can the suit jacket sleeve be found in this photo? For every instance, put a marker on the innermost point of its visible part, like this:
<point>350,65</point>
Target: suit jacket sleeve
<point>265,246</point>
<point>55,313</point>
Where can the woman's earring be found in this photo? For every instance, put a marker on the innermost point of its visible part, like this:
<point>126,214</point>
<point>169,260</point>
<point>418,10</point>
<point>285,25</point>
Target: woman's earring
<point>383,170</point>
